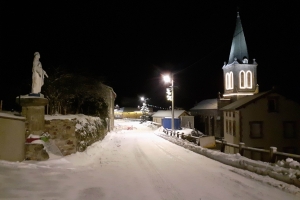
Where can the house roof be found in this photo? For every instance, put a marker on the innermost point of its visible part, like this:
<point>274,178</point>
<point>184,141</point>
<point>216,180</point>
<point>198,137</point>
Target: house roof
<point>238,46</point>
<point>207,104</point>
<point>245,101</point>
<point>168,113</point>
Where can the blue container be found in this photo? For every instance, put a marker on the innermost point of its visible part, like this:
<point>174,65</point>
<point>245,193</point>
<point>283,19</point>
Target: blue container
<point>167,123</point>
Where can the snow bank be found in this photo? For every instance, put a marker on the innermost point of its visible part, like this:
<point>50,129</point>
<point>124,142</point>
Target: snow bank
<point>285,171</point>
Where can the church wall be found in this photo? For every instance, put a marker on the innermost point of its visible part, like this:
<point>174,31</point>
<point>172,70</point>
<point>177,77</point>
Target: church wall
<point>235,69</point>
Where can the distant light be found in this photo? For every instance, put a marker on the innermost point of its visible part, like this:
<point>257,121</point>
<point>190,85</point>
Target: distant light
<point>167,78</point>
<point>142,98</point>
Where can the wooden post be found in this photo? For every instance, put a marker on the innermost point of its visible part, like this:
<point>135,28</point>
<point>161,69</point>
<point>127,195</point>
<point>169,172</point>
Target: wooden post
<point>273,156</point>
<point>241,148</point>
<point>223,145</point>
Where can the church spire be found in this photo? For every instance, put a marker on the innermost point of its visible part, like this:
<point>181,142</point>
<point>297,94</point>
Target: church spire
<point>238,47</point>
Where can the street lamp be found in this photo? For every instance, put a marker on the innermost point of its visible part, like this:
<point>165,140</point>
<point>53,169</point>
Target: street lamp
<point>168,79</point>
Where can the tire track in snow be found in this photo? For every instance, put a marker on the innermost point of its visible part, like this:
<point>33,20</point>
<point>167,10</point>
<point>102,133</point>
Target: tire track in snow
<point>165,189</point>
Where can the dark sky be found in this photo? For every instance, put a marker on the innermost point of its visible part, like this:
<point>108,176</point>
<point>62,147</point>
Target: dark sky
<point>129,45</point>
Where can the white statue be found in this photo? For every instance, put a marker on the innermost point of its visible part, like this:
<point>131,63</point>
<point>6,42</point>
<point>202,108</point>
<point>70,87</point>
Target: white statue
<point>37,74</point>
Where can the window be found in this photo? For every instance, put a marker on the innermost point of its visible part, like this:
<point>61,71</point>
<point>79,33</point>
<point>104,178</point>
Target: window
<point>226,126</point>
<point>229,80</point>
<point>245,79</point>
<point>242,79</point>
<point>230,128</point>
<point>233,114</point>
<point>233,128</point>
<point>289,129</point>
<point>249,79</point>
<point>256,129</point>
<point>273,104</point>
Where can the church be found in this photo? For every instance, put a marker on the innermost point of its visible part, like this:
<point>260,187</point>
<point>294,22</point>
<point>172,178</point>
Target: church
<point>242,113</point>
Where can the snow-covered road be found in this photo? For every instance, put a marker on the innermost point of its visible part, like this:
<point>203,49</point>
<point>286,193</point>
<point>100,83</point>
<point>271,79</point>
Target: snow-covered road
<point>132,164</point>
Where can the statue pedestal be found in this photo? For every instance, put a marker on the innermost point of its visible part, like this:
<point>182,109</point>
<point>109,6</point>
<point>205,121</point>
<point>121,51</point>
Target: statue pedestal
<point>33,108</point>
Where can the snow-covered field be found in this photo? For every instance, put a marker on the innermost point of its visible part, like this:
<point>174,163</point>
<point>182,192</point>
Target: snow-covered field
<point>135,162</point>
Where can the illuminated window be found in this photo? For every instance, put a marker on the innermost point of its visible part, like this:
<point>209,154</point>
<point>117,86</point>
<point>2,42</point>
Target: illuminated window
<point>242,79</point>
<point>229,80</point>
<point>245,79</point>
<point>256,129</point>
<point>249,79</point>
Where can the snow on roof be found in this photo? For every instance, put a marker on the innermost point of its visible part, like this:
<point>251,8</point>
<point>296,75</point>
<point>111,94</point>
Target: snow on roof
<point>207,104</point>
<point>244,101</point>
<point>168,113</point>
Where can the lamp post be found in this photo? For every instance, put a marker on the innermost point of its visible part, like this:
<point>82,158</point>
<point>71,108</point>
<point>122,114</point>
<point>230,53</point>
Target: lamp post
<point>167,79</point>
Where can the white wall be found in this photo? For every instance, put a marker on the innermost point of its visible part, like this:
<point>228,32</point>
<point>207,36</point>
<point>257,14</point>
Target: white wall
<point>12,138</point>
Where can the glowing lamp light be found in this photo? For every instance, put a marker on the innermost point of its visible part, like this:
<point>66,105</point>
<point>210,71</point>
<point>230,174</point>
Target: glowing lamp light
<point>167,78</point>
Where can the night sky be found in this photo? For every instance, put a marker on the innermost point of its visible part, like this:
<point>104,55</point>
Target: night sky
<point>130,45</point>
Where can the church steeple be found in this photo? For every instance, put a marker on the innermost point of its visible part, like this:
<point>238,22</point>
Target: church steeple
<point>238,47</point>
<point>240,76</point>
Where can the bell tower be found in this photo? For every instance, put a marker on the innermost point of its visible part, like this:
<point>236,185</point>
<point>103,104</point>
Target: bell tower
<point>240,76</point>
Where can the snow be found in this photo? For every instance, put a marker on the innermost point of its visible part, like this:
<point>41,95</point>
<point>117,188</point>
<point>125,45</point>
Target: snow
<point>11,115</point>
<point>138,161</point>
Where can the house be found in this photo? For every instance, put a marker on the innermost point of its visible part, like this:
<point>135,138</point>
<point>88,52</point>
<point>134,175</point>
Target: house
<point>128,112</point>
<point>261,121</point>
<point>208,117</point>
<point>184,116</point>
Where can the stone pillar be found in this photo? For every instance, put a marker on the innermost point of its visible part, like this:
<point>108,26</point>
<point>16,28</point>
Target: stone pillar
<point>33,109</point>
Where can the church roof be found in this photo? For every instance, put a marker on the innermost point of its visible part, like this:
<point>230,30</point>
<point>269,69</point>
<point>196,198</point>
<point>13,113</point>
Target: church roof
<point>238,46</point>
<point>245,101</point>
<point>208,104</point>
<point>168,113</point>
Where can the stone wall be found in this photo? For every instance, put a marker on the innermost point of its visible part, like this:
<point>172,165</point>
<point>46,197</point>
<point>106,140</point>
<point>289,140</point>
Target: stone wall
<point>72,135</point>
<point>36,152</point>
<point>62,132</point>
